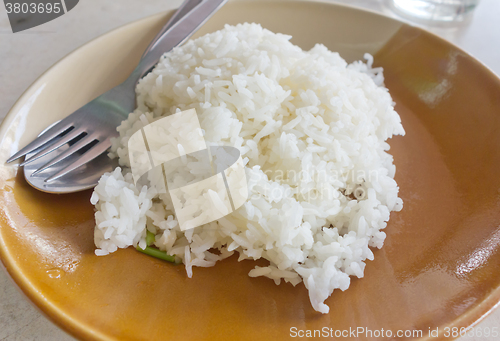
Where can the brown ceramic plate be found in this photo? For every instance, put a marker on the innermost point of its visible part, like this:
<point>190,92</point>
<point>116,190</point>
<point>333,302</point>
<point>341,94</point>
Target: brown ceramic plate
<point>441,263</point>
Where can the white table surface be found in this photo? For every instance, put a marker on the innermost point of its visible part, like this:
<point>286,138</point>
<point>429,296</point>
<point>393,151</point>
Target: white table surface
<point>25,55</point>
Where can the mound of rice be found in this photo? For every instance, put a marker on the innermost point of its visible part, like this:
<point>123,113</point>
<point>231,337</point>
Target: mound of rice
<point>311,130</point>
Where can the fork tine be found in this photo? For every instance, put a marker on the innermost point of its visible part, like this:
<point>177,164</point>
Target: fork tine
<point>89,155</point>
<point>47,136</point>
<point>74,148</point>
<point>65,139</point>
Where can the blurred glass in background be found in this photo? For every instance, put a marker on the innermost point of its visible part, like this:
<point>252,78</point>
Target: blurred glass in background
<point>439,11</point>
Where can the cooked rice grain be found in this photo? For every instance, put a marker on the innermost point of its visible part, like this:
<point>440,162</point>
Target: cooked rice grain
<point>311,130</point>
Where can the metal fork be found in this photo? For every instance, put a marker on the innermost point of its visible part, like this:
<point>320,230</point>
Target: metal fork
<point>90,128</point>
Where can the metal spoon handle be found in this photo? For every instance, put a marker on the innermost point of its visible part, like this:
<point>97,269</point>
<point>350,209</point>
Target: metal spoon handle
<point>184,9</point>
<point>174,36</point>
<point>181,31</point>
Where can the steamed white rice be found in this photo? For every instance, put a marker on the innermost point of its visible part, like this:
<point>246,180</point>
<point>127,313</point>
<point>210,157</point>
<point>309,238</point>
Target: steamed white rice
<point>311,130</point>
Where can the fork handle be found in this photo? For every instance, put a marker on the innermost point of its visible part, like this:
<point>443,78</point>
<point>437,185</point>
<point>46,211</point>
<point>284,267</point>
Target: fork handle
<point>183,9</point>
<point>174,36</point>
<point>121,99</point>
